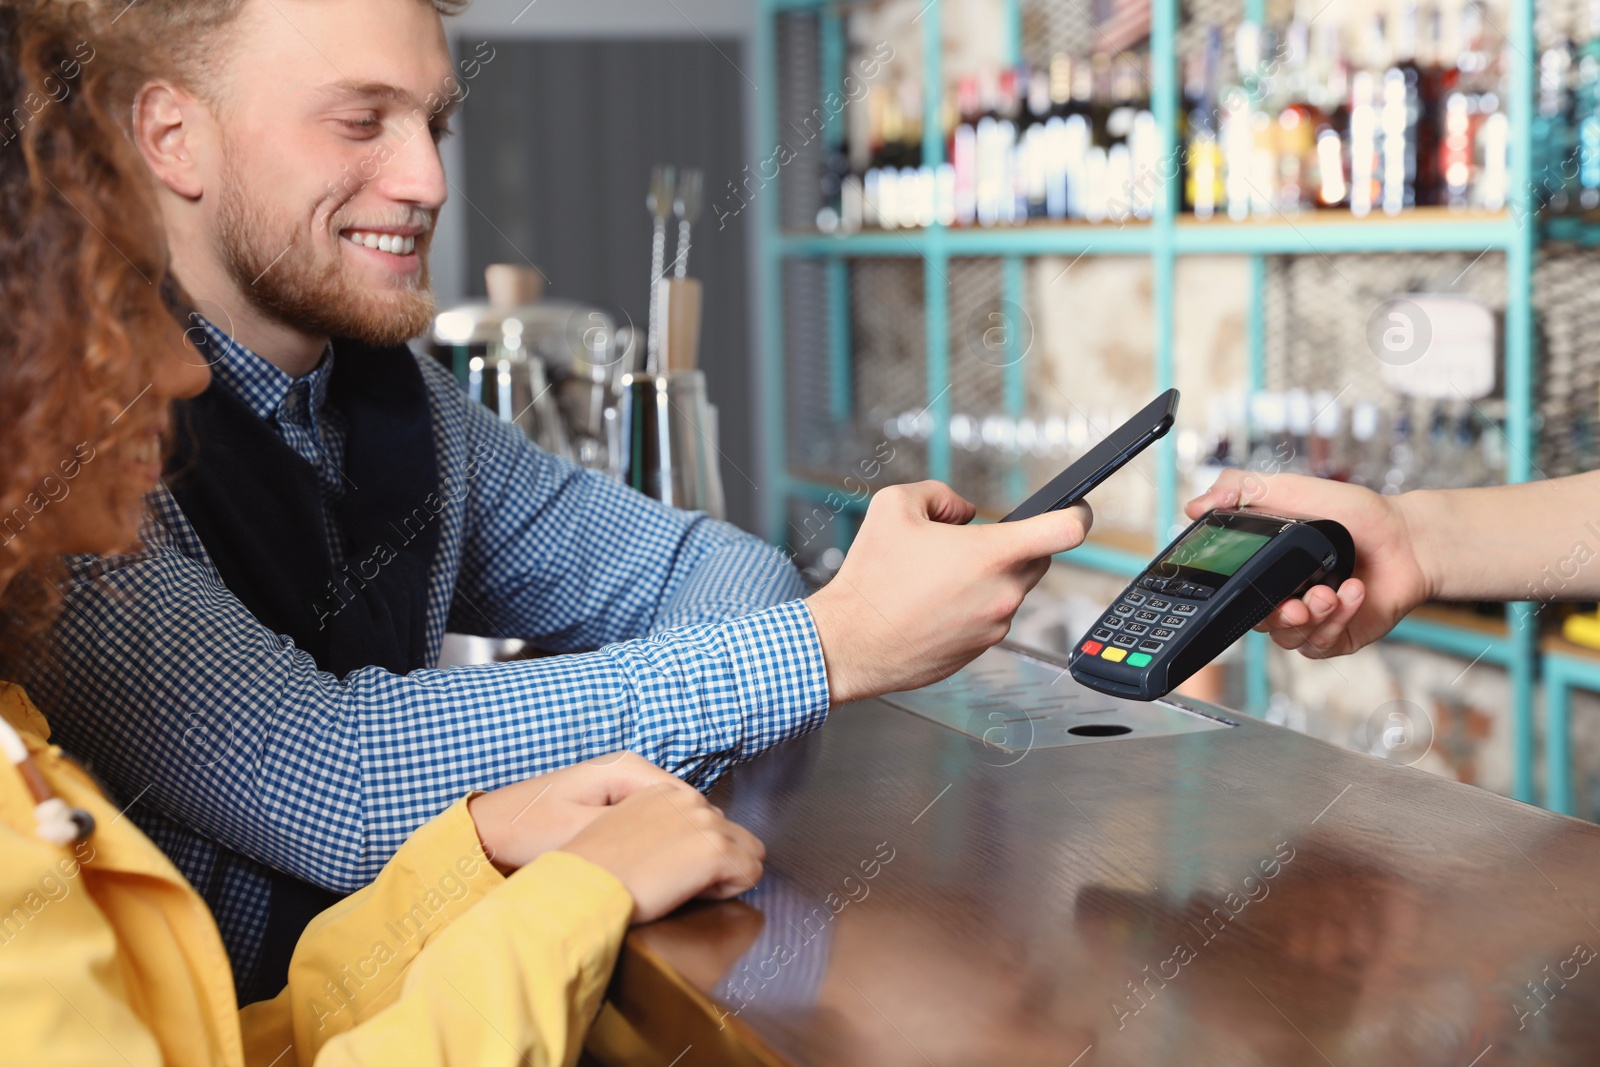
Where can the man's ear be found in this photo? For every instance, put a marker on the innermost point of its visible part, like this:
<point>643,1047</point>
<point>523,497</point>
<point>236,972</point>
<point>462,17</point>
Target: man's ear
<point>170,128</point>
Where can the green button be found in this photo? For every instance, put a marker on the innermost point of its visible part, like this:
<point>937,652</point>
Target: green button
<point>1138,659</point>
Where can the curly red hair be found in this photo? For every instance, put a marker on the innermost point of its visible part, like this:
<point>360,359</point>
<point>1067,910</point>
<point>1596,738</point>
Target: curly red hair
<point>82,262</point>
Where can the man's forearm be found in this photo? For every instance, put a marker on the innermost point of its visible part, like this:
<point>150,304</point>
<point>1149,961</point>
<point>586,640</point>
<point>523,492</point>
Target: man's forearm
<point>1538,541</point>
<point>183,700</point>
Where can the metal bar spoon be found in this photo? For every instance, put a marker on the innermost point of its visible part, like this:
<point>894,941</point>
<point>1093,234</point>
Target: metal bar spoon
<point>687,205</point>
<point>659,202</point>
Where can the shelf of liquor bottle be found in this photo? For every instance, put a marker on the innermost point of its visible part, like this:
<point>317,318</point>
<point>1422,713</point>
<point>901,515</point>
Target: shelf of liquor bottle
<point>1427,229</point>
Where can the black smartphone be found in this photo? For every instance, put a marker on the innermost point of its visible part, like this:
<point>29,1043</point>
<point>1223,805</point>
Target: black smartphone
<point>1103,460</point>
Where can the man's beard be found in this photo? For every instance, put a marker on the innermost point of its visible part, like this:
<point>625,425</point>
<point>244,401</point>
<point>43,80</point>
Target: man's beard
<point>279,272</point>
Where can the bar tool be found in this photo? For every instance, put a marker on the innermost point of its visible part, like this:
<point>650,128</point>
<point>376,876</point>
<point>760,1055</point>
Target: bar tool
<point>659,202</point>
<point>686,205</point>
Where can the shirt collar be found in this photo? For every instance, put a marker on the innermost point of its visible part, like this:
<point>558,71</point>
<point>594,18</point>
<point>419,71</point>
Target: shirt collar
<point>260,385</point>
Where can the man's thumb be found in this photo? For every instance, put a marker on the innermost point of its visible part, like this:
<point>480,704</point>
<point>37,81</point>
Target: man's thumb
<point>1047,534</point>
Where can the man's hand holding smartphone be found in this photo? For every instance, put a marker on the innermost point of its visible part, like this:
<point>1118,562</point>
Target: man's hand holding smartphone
<point>922,593</point>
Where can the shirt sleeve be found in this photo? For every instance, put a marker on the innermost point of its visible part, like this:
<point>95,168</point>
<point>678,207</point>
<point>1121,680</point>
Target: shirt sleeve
<point>516,980</point>
<point>186,704</point>
<point>519,984</point>
<point>592,561</point>
<point>350,962</point>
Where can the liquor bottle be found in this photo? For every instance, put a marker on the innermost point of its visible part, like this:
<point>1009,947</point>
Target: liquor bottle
<point>1364,139</point>
<point>1402,474</point>
<point>1056,145</point>
<point>1237,132</point>
<point>1203,187</point>
<point>916,191</point>
<point>1264,83</point>
<point>1330,89</point>
<point>1481,76</point>
<point>890,152</point>
<point>1299,120</point>
<point>1553,141</point>
<point>1407,146</point>
<point>964,152</point>
<point>989,169</point>
<point>1132,155</point>
<point>1298,415</point>
<point>1032,154</point>
<point>1458,124</point>
<point>1327,428</point>
<point>1097,182</point>
<point>1433,79</point>
<point>1438,461</point>
<point>835,173</point>
<point>1011,204</point>
<point>1060,81</point>
<point>1368,461</point>
<point>1078,133</point>
<point>868,143</point>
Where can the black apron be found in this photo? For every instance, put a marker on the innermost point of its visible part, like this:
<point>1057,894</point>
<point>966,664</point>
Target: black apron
<point>258,509</point>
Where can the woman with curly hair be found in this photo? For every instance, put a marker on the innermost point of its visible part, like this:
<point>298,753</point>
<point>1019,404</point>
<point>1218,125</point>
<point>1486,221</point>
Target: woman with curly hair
<point>454,954</point>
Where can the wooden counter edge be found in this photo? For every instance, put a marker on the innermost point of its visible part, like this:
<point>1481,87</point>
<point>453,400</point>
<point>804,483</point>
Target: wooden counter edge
<point>647,997</point>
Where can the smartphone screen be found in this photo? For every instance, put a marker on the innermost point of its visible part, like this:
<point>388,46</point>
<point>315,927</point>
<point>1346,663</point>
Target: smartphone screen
<point>1103,460</point>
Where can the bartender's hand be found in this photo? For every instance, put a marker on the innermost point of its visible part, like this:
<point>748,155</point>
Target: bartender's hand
<point>520,822</point>
<point>1388,580</point>
<point>667,846</point>
<point>921,594</point>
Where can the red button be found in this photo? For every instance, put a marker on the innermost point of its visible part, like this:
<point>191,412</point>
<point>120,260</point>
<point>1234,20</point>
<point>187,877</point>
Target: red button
<point>1092,648</point>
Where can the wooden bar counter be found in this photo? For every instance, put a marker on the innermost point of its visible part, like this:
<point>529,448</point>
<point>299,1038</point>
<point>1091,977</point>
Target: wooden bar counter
<point>1236,894</point>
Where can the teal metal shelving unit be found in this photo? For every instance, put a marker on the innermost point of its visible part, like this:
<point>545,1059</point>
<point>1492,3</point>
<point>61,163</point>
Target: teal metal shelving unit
<point>1163,239</point>
<point>1563,673</point>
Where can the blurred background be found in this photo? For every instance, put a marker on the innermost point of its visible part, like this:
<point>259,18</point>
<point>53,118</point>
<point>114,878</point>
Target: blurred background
<point>765,257</point>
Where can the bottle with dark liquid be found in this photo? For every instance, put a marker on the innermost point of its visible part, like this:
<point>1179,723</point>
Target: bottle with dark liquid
<point>1298,120</point>
<point>1408,144</point>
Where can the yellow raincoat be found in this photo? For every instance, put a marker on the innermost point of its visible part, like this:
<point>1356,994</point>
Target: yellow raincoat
<point>108,956</point>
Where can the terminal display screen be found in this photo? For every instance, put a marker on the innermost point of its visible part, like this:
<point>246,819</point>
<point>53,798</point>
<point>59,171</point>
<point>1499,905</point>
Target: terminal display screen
<point>1216,549</point>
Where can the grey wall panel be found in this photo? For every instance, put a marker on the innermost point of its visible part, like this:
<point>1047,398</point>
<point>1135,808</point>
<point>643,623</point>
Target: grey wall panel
<point>559,139</point>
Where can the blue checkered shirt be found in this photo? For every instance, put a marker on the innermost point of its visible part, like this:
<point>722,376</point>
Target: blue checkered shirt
<point>236,752</point>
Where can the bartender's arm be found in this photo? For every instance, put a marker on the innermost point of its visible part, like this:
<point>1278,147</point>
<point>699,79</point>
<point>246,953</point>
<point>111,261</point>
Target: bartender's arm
<point>1512,542</point>
<point>169,685</point>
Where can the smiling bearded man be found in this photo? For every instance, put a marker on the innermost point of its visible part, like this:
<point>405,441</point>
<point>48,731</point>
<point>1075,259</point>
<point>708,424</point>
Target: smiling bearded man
<point>261,683</point>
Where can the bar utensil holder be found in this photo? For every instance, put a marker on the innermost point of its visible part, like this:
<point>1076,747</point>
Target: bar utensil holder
<point>666,441</point>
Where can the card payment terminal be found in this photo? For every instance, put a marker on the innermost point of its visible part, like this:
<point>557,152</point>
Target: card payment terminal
<point>1224,574</point>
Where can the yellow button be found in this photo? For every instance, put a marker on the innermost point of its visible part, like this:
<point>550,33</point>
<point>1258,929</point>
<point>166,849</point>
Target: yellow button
<point>1115,655</point>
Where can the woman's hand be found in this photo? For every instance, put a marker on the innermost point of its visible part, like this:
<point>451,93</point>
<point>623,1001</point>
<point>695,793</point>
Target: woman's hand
<point>669,845</point>
<point>520,822</point>
<point>1389,580</point>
